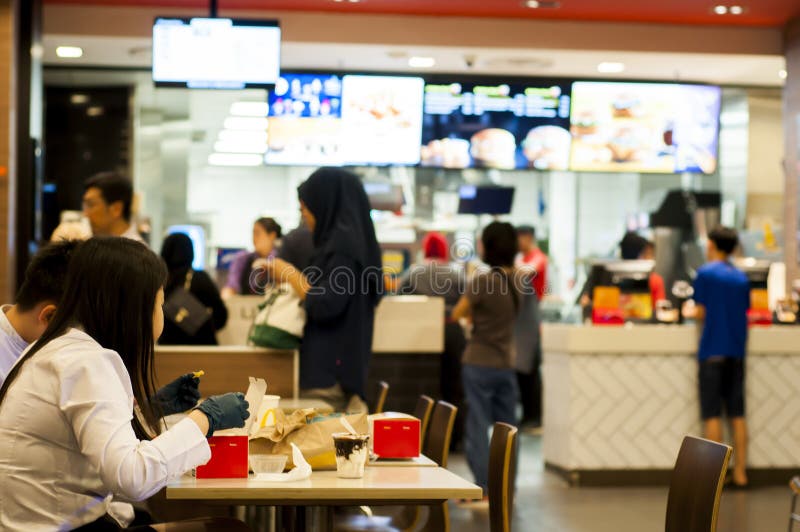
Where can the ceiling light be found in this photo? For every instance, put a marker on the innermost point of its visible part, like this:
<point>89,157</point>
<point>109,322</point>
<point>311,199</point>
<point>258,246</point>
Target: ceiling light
<point>541,4</point>
<point>421,62</point>
<point>69,51</point>
<point>78,99</point>
<point>721,10</point>
<point>234,159</point>
<point>226,146</point>
<point>256,109</point>
<point>95,110</point>
<point>611,67</point>
<point>782,73</point>
<point>533,4</point>
<point>736,10</point>
<point>246,123</point>
<point>354,1</point>
<point>246,137</point>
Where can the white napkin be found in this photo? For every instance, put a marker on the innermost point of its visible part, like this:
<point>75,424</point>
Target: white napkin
<point>301,470</point>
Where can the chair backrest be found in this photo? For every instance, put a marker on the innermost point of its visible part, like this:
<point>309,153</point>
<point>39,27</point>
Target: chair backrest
<point>380,400</point>
<point>437,445</point>
<point>423,413</point>
<point>696,486</point>
<point>502,476</point>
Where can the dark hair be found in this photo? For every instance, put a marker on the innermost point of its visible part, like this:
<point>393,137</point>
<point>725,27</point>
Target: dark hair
<point>113,187</point>
<point>632,245</point>
<point>724,238</point>
<point>178,254</point>
<point>527,230</point>
<point>110,293</point>
<point>499,244</point>
<point>270,226</point>
<point>44,277</point>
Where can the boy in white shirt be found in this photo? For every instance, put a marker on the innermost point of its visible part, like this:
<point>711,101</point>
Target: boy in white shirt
<point>24,322</point>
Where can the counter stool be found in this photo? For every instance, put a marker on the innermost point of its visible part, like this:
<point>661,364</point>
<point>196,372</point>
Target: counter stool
<point>696,486</point>
<point>794,517</point>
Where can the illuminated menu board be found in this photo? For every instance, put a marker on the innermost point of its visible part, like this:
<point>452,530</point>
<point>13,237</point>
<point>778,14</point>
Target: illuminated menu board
<point>487,125</point>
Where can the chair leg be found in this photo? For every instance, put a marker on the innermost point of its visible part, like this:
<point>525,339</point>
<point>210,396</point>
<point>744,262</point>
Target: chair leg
<point>794,517</point>
<point>438,519</point>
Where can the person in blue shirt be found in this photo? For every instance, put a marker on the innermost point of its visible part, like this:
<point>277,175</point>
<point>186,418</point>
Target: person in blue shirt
<point>722,298</point>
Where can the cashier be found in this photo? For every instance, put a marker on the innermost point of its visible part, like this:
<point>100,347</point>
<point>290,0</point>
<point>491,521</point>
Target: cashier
<point>71,447</point>
<point>632,247</point>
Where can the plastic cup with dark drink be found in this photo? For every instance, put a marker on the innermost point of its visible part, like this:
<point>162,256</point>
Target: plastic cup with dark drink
<point>352,453</point>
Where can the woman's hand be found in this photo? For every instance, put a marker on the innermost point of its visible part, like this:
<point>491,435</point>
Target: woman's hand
<point>281,271</point>
<point>178,396</point>
<point>227,411</point>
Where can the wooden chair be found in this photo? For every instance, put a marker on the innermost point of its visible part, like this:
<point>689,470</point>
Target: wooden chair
<point>794,516</point>
<point>380,401</point>
<point>696,486</point>
<point>423,413</point>
<point>440,431</point>
<point>502,476</point>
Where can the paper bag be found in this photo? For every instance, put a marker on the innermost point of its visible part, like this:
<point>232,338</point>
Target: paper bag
<point>314,438</point>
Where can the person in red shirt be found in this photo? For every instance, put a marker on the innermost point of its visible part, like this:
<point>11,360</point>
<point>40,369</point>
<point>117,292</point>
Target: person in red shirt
<point>531,256</point>
<point>636,247</point>
<point>529,349</point>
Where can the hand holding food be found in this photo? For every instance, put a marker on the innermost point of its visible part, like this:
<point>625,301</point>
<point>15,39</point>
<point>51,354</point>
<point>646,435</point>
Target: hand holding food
<point>227,411</point>
<point>180,395</point>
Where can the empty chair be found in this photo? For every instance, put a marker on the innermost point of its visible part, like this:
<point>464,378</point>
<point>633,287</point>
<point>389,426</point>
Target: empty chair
<point>440,431</point>
<point>696,485</point>
<point>502,476</point>
<point>423,413</point>
<point>380,400</point>
<point>794,517</point>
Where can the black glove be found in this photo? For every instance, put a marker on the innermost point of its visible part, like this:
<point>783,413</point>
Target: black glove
<point>178,396</point>
<point>227,411</point>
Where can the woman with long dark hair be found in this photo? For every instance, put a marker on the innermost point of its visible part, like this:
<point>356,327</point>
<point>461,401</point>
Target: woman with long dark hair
<point>341,288</point>
<point>178,254</point>
<point>74,411</point>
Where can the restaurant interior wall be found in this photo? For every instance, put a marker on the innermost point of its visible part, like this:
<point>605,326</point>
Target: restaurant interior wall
<point>580,214</point>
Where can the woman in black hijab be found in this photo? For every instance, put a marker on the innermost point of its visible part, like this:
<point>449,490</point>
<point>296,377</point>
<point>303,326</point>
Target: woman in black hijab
<point>178,253</point>
<point>341,288</point>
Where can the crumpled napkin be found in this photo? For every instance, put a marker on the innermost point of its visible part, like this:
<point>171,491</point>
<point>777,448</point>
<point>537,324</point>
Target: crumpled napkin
<point>301,470</point>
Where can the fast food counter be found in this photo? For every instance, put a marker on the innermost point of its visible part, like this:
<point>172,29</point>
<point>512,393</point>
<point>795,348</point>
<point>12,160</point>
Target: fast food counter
<point>619,400</point>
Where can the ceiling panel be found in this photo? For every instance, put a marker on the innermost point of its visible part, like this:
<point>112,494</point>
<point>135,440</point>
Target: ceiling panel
<point>755,12</point>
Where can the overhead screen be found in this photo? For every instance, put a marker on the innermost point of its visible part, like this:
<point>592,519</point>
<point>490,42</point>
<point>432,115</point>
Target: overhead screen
<point>324,119</point>
<point>644,127</point>
<point>494,124</point>
<point>218,53</point>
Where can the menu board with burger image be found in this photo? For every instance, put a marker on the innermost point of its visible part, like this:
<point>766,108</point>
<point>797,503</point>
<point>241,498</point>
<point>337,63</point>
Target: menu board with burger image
<point>486,125</point>
<point>644,127</point>
<point>325,119</point>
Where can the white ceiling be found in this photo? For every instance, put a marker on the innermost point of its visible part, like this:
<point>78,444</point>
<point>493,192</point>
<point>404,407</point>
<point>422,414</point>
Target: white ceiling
<point>725,69</point>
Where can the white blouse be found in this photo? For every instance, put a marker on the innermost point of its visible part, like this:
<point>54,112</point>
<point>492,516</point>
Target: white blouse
<point>67,446</point>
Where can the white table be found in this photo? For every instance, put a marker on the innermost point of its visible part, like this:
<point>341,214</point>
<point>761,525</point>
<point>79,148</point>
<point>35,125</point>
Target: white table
<point>379,486</point>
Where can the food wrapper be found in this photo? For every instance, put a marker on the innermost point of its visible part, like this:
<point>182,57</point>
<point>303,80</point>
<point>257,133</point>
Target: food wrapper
<point>300,471</point>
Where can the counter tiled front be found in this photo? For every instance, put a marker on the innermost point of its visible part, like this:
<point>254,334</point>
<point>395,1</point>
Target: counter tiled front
<point>618,400</point>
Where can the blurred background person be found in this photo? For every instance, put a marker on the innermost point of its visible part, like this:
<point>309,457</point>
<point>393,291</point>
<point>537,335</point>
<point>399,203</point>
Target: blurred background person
<point>341,291</point>
<point>297,247</point>
<point>491,303</point>
<point>436,276</point>
<point>531,256</point>
<point>107,201</point>
<point>178,254</point>
<point>266,232</point>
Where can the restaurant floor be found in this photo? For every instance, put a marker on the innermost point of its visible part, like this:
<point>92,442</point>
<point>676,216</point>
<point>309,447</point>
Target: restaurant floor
<point>546,504</point>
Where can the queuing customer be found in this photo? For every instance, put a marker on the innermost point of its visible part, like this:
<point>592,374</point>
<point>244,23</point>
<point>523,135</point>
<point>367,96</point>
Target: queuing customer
<point>178,254</point>
<point>24,322</point>
<point>341,291</point>
<point>266,231</point>
<point>491,303</point>
<point>107,200</point>
<point>297,247</point>
<point>438,277</point>
<point>722,299</point>
<point>68,434</point>
<point>527,327</point>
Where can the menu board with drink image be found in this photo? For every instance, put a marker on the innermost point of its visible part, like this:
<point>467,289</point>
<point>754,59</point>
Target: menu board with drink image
<point>487,125</point>
<point>644,127</point>
<point>305,120</point>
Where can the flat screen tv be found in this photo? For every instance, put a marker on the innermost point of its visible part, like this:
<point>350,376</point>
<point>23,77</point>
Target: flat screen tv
<point>474,199</point>
<point>336,120</point>
<point>216,53</point>
<point>496,123</point>
<point>644,127</point>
